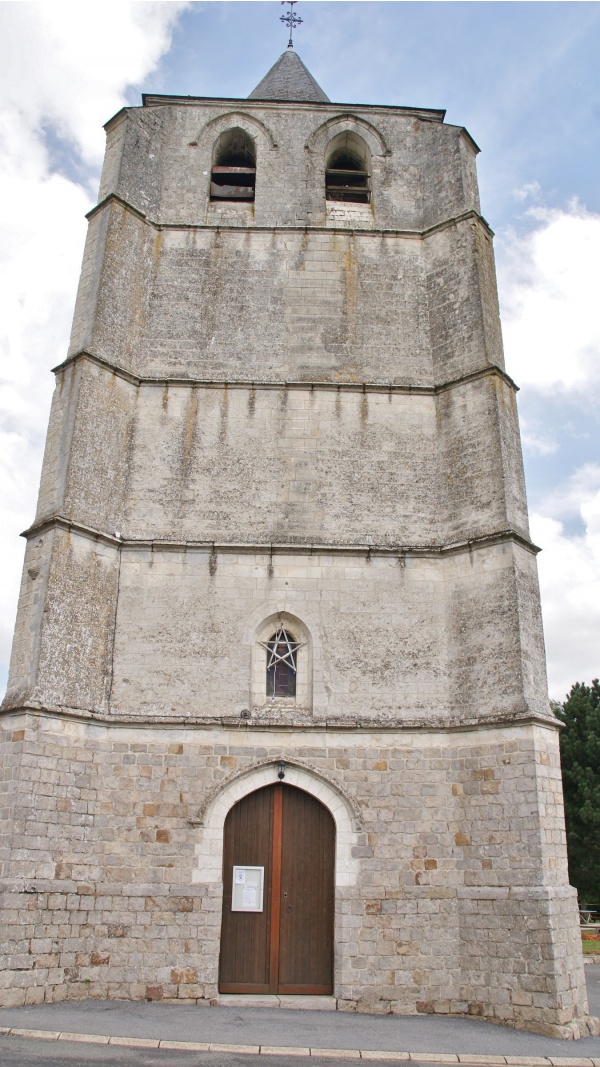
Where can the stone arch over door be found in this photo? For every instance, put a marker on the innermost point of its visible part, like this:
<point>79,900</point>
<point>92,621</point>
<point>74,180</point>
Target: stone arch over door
<point>209,850</point>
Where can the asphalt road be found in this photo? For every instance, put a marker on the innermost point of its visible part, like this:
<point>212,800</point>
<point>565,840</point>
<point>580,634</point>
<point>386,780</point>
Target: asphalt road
<point>592,980</point>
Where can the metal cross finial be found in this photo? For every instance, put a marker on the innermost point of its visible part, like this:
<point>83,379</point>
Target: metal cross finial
<point>291,19</point>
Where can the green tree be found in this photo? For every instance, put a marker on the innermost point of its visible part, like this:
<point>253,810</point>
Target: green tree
<point>580,757</point>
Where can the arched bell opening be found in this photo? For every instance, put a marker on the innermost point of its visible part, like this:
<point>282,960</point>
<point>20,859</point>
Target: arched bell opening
<point>278,894</point>
<point>233,175</point>
<point>347,172</point>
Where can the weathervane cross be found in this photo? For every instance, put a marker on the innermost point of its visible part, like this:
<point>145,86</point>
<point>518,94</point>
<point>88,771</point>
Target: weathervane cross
<point>291,19</point>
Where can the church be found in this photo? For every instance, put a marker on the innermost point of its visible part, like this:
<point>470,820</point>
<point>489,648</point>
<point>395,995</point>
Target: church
<point>277,721</point>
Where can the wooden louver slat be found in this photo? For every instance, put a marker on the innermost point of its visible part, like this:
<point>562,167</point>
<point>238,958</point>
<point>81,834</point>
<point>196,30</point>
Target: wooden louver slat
<point>234,170</point>
<point>231,192</point>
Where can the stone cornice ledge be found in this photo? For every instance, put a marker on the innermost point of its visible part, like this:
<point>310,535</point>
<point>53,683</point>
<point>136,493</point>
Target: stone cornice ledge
<point>490,370</point>
<point>520,716</point>
<point>427,231</point>
<point>270,548</point>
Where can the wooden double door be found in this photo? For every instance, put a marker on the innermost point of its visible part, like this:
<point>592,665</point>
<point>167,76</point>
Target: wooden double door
<point>288,946</point>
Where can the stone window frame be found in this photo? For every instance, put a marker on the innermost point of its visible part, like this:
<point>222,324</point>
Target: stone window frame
<point>304,663</point>
<point>204,144</point>
<point>319,146</point>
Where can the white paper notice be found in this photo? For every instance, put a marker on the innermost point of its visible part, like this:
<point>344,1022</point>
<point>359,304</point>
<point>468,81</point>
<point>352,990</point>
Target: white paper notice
<point>247,889</point>
<point>249,897</point>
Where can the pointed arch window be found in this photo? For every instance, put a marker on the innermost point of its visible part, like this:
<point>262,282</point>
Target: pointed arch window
<point>347,175</point>
<point>233,176</point>
<point>282,663</point>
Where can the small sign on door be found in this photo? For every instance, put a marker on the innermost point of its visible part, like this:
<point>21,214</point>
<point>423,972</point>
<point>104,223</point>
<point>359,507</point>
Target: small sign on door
<point>247,894</point>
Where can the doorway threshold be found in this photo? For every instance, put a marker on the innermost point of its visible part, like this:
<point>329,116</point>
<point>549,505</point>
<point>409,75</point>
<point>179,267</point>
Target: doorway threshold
<point>277,1000</point>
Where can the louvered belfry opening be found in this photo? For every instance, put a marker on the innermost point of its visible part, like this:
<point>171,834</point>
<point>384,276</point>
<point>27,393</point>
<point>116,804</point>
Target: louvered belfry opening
<point>347,177</point>
<point>233,176</point>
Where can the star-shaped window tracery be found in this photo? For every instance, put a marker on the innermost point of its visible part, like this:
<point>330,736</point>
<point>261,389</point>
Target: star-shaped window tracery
<point>281,648</point>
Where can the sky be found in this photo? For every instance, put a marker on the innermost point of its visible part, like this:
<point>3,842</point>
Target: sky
<point>523,79</point>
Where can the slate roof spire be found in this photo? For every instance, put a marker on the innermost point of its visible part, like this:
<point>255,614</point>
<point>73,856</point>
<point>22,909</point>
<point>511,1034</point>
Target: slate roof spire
<point>289,79</point>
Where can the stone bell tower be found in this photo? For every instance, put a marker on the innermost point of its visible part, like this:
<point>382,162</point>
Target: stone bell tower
<point>279,631</point>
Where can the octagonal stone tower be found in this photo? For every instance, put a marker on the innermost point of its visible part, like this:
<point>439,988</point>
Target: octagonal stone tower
<point>280,609</point>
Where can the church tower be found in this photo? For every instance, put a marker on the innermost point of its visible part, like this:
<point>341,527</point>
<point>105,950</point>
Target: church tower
<point>277,719</point>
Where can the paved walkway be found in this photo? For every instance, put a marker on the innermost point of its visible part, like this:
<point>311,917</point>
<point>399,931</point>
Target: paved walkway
<point>322,1034</point>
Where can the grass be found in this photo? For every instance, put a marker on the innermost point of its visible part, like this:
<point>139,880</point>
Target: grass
<point>591,948</point>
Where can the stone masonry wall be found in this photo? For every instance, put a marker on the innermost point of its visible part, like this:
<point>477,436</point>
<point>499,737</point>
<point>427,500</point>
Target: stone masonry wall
<point>187,622</point>
<point>321,306</point>
<point>179,639</point>
<point>277,463</point>
<point>104,893</point>
<point>284,465</point>
<point>157,631</point>
<point>423,170</point>
<point>352,306</point>
<point>25,652</point>
<point>113,293</point>
<point>67,602</point>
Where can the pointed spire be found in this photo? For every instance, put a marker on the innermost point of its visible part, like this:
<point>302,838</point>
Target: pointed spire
<point>288,79</point>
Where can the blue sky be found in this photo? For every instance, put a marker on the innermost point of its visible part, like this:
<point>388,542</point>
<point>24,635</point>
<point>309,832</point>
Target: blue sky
<point>523,79</point>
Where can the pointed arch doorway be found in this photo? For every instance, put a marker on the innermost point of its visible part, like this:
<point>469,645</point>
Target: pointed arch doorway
<point>287,947</point>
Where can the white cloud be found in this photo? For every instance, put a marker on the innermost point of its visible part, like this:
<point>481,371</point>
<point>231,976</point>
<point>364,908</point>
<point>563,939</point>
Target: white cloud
<point>531,190</point>
<point>69,64</point>
<point>548,281</point>
<point>569,568</point>
<point>64,70</point>
<point>538,444</point>
<point>568,499</point>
